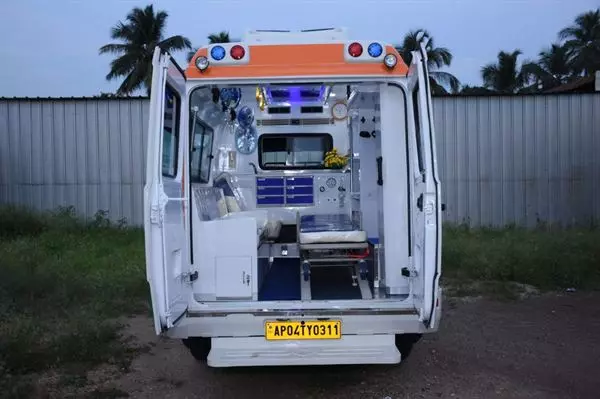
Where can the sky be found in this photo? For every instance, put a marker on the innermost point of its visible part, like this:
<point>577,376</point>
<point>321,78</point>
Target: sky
<point>50,47</point>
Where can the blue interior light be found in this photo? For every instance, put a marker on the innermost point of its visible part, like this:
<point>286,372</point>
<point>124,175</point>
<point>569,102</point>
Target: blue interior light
<point>375,50</point>
<point>217,53</point>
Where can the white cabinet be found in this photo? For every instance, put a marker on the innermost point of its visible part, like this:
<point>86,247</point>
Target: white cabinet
<point>233,277</point>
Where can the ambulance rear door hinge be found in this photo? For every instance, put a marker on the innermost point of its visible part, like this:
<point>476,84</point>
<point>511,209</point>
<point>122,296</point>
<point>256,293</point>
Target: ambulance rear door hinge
<point>409,272</point>
<point>190,277</point>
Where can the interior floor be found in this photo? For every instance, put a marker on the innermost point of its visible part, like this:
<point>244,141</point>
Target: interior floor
<point>283,282</point>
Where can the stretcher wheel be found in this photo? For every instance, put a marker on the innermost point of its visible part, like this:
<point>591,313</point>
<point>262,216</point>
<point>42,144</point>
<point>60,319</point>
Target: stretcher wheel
<point>306,270</point>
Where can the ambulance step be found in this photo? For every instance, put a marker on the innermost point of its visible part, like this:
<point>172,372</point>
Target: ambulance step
<point>350,349</point>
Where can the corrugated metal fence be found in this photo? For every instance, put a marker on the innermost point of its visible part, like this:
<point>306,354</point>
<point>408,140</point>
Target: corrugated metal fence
<point>503,160</point>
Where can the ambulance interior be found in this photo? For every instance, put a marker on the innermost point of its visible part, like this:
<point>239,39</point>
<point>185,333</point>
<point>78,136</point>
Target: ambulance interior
<point>275,214</point>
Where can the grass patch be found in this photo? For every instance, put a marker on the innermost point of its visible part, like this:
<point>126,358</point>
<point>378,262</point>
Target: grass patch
<point>62,283</point>
<point>544,258</point>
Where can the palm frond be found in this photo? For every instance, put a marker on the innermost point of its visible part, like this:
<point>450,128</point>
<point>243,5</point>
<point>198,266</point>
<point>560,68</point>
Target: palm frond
<point>175,43</point>
<point>140,33</point>
<point>221,37</point>
<point>114,48</point>
<point>439,56</point>
<point>489,74</point>
<point>190,54</point>
<point>446,79</point>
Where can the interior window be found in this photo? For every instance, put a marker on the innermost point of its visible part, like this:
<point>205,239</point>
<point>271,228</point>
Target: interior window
<point>293,151</point>
<point>418,128</point>
<point>170,133</point>
<point>201,157</point>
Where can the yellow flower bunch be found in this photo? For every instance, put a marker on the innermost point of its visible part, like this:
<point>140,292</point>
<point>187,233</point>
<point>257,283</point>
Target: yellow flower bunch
<point>334,160</point>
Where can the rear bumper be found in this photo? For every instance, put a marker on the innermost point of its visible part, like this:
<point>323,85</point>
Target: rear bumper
<point>244,325</point>
<point>256,351</point>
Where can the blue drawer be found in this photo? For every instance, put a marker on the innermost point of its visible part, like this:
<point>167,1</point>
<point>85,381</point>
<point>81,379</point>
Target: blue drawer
<point>299,181</point>
<point>299,200</point>
<point>299,190</point>
<point>269,181</point>
<point>275,200</point>
<point>269,190</point>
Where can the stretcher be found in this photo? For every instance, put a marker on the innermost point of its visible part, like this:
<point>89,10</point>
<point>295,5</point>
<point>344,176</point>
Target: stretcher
<point>326,240</point>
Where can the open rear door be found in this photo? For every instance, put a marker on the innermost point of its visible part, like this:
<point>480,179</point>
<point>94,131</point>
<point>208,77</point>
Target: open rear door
<point>166,195</point>
<point>426,201</point>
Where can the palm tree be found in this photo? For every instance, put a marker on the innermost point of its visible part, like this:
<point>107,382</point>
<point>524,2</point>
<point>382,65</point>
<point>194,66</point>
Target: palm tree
<point>553,67</point>
<point>583,42</point>
<point>140,34</point>
<point>475,90</point>
<point>221,37</point>
<point>437,57</point>
<point>505,76</point>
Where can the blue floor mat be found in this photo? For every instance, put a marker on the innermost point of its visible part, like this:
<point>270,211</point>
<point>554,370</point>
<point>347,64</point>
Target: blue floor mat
<point>282,283</point>
<point>331,283</point>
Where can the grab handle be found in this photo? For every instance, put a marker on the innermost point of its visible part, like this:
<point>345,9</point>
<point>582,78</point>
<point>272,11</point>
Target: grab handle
<point>379,171</point>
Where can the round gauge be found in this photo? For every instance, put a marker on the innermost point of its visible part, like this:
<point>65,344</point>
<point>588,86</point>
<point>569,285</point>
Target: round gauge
<point>339,111</point>
<point>331,182</point>
<point>246,139</point>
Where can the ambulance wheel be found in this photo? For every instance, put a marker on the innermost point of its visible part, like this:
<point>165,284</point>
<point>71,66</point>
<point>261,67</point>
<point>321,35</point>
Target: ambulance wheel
<point>199,347</point>
<point>405,343</point>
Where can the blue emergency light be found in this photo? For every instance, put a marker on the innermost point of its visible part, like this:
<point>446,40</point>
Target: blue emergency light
<point>217,53</point>
<point>375,50</point>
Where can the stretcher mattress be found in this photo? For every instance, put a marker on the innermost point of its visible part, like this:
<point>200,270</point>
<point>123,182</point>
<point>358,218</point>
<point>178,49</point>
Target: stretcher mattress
<point>334,228</point>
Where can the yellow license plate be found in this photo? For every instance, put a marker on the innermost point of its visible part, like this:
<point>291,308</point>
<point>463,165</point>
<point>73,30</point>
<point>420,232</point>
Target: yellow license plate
<point>304,329</point>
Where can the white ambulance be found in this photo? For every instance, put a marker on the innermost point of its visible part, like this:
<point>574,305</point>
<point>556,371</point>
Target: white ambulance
<point>292,201</point>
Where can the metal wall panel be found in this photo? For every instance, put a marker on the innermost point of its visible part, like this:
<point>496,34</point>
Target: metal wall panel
<point>502,160</point>
<point>88,153</point>
<point>519,160</point>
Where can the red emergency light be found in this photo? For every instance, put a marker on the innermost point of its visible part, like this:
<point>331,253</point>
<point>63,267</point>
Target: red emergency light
<point>355,49</point>
<point>237,52</point>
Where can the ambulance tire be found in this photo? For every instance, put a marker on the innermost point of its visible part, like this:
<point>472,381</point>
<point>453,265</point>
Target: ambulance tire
<point>199,347</point>
<point>405,343</point>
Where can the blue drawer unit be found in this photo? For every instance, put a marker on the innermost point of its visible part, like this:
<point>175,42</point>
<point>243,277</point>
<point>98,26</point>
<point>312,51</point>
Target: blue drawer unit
<point>299,181</point>
<point>299,200</point>
<point>293,190</point>
<point>284,191</point>
<point>270,200</point>
<point>299,191</point>
<point>270,191</point>
<point>269,182</point>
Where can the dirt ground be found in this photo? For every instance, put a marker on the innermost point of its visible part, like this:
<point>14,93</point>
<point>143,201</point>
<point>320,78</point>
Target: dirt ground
<point>541,347</point>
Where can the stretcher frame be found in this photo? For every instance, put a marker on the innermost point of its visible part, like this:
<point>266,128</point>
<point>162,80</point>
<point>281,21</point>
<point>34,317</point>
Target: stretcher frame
<point>311,256</point>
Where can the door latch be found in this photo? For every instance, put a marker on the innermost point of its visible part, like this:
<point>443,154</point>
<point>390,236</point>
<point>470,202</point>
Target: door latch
<point>245,278</point>
<point>420,202</point>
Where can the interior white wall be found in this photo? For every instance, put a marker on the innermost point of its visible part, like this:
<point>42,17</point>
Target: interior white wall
<point>367,149</point>
<point>395,188</point>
